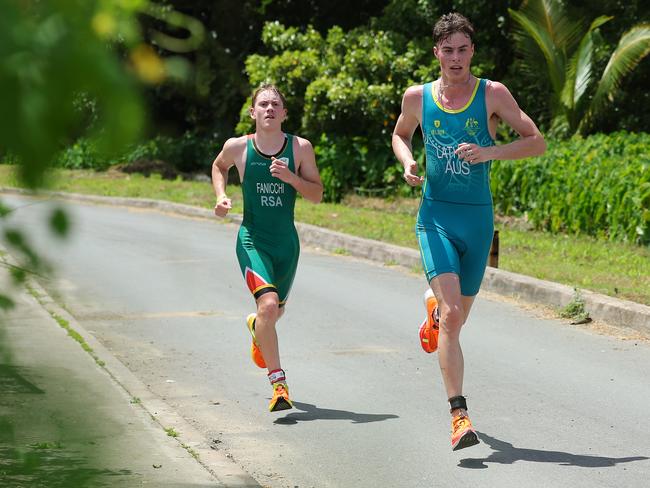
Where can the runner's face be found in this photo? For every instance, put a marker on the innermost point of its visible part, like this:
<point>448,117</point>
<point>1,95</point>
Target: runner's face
<point>268,111</point>
<point>455,56</point>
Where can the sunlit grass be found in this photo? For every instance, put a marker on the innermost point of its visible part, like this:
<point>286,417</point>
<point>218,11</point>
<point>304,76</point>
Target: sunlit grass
<point>615,269</point>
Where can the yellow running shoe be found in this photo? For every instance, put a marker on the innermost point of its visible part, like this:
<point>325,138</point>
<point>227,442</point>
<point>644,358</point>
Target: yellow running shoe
<point>280,400</point>
<point>430,327</point>
<point>462,433</point>
<point>256,354</point>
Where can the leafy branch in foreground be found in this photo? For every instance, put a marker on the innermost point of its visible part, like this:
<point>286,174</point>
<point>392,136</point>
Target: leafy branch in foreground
<point>70,70</point>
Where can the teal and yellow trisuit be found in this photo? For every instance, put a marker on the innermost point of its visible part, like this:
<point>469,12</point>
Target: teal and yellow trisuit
<point>267,243</point>
<point>455,220</point>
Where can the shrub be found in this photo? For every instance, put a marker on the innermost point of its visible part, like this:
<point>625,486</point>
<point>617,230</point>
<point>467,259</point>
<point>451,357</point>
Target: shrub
<point>83,154</point>
<point>7,157</point>
<point>599,185</point>
<point>189,153</point>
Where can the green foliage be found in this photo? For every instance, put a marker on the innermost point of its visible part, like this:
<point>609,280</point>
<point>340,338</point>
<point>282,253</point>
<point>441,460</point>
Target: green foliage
<point>575,309</point>
<point>633,46</point>
<point>569,51</point>
<point>8,158</point>
<point>83,154</point>
<point>348,88</point>
<point>59,222</point>
<point>210,103</point>
<point>6,303</point>
<point>599,185</point>
<point>187,153</point>
<point>70,71</point>
<point>52,51</point>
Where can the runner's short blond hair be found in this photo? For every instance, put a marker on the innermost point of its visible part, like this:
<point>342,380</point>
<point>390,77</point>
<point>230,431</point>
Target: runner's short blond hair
<point>268,87</point>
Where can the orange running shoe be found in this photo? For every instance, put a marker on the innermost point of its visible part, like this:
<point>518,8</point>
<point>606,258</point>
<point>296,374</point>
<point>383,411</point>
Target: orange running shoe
<point>280,400</point>
<point>256,354</point>
<point>462,433</point>
<point>431,326</point>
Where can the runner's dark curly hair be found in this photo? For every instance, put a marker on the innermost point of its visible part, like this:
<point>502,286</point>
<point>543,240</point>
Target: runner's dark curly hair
<point>451,23</point>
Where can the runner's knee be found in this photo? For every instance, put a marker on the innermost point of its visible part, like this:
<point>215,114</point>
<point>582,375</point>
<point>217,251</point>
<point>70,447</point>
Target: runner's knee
<point>451,319</point>
<point>268,307</point>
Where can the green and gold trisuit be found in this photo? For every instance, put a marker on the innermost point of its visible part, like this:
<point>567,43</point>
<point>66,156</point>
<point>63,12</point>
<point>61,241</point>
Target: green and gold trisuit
<point>267,243</point>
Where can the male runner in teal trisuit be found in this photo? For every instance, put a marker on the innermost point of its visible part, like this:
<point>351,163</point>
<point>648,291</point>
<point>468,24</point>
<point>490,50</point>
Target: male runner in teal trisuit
<point>458,115</point>
<point>272,167</point>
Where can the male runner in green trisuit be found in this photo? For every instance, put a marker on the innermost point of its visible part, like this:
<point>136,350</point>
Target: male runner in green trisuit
<point>458,114</point>
<point>272,167</point>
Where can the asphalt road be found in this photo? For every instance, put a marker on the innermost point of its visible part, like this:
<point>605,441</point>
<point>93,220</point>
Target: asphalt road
<point>555,405</point>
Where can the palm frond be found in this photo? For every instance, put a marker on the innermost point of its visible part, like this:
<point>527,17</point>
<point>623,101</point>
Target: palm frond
<point>566,33</point>
<point>542,38</point>
<point>580,69</point>
<point>633,46</point>
<point>579,72</point>
<point>603,19</point>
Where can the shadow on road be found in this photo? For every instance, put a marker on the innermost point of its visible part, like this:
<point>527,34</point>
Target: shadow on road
<point>506,453</point>
<point>52,467</point>
<point>26,461</point>
<point>312,412</point>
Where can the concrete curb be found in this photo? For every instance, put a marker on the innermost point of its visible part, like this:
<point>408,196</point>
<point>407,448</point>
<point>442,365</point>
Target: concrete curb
<point>621,313</point>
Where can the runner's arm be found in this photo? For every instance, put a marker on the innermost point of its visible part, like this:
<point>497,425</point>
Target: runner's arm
<point>405,127</point>
<point>220,166</point>
<point>530,142</point>
<point>307,180</point>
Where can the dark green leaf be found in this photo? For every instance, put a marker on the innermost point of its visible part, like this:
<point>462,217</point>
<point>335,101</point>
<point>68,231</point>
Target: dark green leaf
<point>59,223</point>
<point>6,303</point>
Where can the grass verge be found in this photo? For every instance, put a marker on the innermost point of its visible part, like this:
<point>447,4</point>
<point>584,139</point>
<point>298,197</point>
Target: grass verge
<point>64,324</point>
<point>616,269</point>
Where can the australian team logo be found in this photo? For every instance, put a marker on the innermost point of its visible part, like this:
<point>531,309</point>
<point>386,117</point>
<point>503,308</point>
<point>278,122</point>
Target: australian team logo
<point>437,131</point>
<point>471,126</point>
